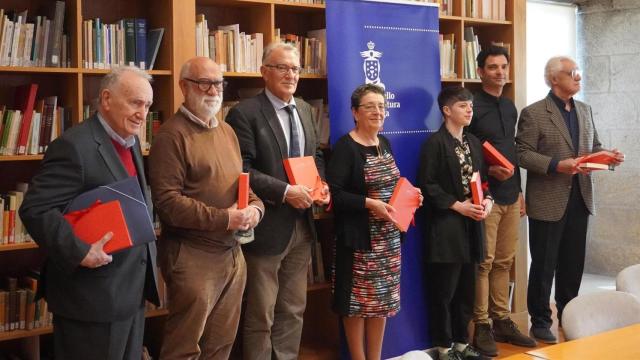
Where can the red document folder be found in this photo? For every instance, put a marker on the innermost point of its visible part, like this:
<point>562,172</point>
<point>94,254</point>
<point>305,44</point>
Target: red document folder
<point>303,171</point>
<point>494,157</point>
<point>405,199</point>
<point>601,160</point>
<point>476,188</point>
<point>243,190</point>
<point>91,224</point>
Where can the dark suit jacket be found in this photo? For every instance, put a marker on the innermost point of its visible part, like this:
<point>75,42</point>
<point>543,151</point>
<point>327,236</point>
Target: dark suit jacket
<point>543,135</point>
<point>263,146</point>
<point>450,237</point>
<point>82,159</point>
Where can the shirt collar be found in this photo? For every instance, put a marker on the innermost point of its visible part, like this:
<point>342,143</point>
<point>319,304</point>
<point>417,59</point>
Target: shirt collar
<point>197,120</point>
<point>489,96</point>
<point>277,102</point>
<point>126,143</point>
<point>559,102</point>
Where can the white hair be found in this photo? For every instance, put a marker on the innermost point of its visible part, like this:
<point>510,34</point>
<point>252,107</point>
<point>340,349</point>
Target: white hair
<point>278,45</point>
<point>554,66</point>
<point>113,77</point>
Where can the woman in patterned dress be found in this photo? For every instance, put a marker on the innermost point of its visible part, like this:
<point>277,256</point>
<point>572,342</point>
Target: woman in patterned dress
<point>454,228</point>
<point>362,175</point>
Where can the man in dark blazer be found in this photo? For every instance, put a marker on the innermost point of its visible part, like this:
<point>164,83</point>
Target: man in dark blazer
<point>97,300</point>
<point>559,195</point>
<point>273,126</point>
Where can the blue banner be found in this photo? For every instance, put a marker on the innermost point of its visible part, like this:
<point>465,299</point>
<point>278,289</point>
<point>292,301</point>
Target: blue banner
<point>395,45</point>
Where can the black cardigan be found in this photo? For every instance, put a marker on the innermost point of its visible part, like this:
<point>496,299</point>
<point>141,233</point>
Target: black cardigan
<point>345,175</point>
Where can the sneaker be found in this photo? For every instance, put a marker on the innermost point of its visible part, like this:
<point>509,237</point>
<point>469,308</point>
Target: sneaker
<point>483,340</point>
<point>450,355</point>
<point>543,334</point>
<point>470,353</point>
<point>506,331</point>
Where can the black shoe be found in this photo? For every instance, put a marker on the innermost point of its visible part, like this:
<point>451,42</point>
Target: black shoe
<point>450,355</point>
<point>483,340</point>
<point>543,334</point>
<point>506,331</point>
<point>470,353</point>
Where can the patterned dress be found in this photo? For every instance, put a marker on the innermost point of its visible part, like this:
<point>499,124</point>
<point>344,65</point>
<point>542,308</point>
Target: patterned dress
<point>375,282</point>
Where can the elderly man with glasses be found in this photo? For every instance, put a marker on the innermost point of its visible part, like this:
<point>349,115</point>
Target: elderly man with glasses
<point>552,133</point>
<point>273,126</point>
<point>194,167</point>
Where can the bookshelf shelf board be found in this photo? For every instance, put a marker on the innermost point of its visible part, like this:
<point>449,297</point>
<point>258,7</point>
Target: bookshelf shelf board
<point>21,246</point>
<point>318,286</point>
<point>19,334</point>
<point>21,157</point>
<point>106,71</point>
<point>35,69</point>
<point>450,18</point>
<point>313,76</point>
<point>450,80</point>
<point>300,6</point>
<point>481,22</point>
<point>279,3</point>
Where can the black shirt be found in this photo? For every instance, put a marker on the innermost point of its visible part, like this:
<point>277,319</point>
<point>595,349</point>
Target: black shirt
<point>494,120</point>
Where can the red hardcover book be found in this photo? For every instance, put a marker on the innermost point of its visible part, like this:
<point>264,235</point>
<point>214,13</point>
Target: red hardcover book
<point>476,188</point>
<point>243,190</point>
<point>405,199</point>
<point>601,160</point>
<point>91,224</point>
<point>303,171</point>
<point>494,157</point>
<point>25,101</point>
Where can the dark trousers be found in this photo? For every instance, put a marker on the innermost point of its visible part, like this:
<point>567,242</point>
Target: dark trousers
<point>557,247</point>
<point>452,294</point>
<point>81,340</point>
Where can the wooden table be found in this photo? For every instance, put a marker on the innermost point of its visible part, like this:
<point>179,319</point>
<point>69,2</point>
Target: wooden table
<point>615,344</point>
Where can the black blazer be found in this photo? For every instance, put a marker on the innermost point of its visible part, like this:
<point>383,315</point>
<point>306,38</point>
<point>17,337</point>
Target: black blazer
<point>82,159</point>
<point>450,237</point>
<point>263,147</point>
<point>345,175</point>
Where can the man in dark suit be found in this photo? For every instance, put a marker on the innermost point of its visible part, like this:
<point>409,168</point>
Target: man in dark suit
<point>97,300</point>
<point>273,126</point>
<point>552,133</point>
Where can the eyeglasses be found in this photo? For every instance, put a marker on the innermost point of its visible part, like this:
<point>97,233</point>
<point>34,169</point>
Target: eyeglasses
<point>205,85</point>
<point>371,108</point>
<point>574,73</point>
<point>284,69</point>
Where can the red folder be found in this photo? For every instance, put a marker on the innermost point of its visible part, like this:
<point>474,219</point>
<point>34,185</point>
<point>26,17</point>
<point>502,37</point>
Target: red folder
<point>476,188</point>
<point>92,223</point>
<point>243,190</point>
<point>601,160</point>
<point>494,157</point>
<point>303,171</point>
<point>405,199</point>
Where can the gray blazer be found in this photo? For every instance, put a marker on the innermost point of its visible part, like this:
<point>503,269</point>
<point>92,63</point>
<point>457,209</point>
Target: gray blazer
<point>82,159</point>
<point>543,135</point>
<point>263,147</point>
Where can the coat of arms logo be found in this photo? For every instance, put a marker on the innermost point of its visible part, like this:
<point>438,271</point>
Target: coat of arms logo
<point>371,65</point>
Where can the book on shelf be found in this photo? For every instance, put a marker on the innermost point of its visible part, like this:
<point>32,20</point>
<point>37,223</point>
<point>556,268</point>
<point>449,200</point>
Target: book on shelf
<point>471,49</point>
<point>405,200</point>
<point>311,50</point>
<point>19,308</point>
<point>154,38</point>
<point>447,56</point>
<point>485,9</point>
<point>476,188</point>
<point>495,157</point>
<point>121,43</point>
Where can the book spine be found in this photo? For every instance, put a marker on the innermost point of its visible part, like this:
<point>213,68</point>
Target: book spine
<point>141,42</point>
<point>130,42</point>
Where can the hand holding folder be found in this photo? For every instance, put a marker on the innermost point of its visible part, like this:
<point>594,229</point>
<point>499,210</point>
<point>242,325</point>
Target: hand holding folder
<point>405,200</point>
<point>601,160</point>
<point>494,157</point>
<point>92,223</point>
<point>303,171</point>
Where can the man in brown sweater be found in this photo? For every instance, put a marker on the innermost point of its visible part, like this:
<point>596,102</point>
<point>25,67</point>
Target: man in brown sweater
<point>194,167</point>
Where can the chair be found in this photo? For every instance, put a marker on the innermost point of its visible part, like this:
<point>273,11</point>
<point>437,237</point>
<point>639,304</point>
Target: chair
<point>628,280</point>
<point>597,312</point>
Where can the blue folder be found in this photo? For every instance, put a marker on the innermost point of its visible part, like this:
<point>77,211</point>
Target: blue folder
<point>129,194</point>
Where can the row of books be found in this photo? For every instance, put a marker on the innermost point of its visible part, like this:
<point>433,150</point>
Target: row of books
<point>485,9</point>
<point>447,56</point>
<point>11,229</point>
<point>126,42</point>
<point>31,125</point>
<point>312,49</point>
<point>19,310</point>
<point>40,42</point>
<point>471,49</point>
<point>233,50</point>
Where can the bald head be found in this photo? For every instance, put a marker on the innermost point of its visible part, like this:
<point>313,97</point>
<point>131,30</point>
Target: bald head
<point>201,84</point>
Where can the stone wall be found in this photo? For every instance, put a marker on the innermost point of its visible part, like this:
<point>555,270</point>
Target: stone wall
<point>609,53</point>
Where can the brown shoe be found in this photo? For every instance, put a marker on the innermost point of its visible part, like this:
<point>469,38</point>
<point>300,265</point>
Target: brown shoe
<point>506,331</point>
<point>483,340</point>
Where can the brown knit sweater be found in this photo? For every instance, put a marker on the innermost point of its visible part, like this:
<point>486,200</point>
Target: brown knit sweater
<point>193,172</point>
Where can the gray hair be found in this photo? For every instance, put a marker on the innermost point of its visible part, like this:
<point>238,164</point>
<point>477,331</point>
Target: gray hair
<point>113,77</point>
<point>278,45</point>
<point>554,65</point>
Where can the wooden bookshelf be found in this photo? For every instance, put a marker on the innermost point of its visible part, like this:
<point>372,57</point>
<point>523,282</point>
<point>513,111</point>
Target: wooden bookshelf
<point>14,247</point>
